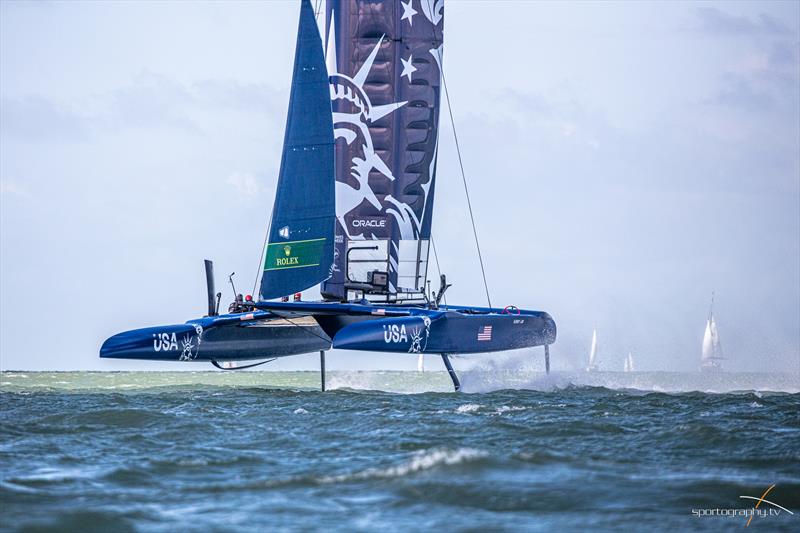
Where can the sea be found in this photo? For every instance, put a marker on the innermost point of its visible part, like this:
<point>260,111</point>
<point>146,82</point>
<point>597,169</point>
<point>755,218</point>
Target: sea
<point>398,451</point>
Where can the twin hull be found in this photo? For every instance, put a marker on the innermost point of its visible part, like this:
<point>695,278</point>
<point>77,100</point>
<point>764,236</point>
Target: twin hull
<point>424,331</point>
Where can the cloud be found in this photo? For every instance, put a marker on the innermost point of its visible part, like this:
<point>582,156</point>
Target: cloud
<point>34,118</point>
<point>150,101</point>
<point>154,100</point>
<point>11,188</point>
<point>715,21</point>
<point>738,92</point>
<point>244,183</point>
<point>249,97</point>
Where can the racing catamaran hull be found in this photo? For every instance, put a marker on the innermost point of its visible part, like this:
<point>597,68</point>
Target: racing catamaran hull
<point>449,332</point>
<point>232,338</point>
<point>419,329</point>
<point>309,326</point>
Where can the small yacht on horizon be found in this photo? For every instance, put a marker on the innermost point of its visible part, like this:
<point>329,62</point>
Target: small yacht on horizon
<point>593,363</point>
<point>712,347</point>
<point>628,367</point>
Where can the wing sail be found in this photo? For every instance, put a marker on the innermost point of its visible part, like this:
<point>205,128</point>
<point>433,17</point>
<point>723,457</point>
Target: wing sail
<point>384,59</point>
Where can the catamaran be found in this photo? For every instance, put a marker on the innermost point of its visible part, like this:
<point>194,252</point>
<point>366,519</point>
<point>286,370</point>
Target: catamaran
<point>353,212</point>
<point>710,360</point>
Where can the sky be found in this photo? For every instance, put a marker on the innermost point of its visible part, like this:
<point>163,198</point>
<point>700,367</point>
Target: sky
<point>624,161</point>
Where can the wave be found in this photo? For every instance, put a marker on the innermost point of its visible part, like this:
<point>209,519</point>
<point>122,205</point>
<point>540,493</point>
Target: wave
<point>422,460</point>
<point>119,418</point>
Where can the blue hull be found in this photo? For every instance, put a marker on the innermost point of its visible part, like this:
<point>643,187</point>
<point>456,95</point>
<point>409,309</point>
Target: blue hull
<point>417,329</point>
<point>397,329</point>
<point>450,332</point>
<point>203,340</point>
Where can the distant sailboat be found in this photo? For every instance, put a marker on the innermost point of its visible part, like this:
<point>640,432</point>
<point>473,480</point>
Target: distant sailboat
<point>421,363</point>
<point>593,353</point>
<point>712,348</point>
<point>628,363</point>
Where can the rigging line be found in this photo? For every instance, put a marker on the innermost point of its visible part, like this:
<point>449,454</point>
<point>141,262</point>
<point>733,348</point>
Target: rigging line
<point>461,164</point>
<point>289,320</point>
<point>436,257</point>
<point>263,251</point>
<point>466,188</point>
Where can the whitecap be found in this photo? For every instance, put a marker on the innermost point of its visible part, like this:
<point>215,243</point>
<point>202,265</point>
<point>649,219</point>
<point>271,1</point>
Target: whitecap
<point>422,460</point>
<point>55,474</point>
<point>300,411</point>
<point>506,409</point>
<point>468,408</point>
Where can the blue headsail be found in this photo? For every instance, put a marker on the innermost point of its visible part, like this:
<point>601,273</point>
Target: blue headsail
<point>300,250</point>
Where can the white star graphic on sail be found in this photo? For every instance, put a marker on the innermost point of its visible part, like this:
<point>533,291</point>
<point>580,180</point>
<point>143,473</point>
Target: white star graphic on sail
<point>408,12</point>
<point>408,68</point>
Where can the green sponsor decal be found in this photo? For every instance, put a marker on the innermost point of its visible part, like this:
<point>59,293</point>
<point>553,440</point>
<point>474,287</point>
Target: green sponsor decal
<point>295,254</point>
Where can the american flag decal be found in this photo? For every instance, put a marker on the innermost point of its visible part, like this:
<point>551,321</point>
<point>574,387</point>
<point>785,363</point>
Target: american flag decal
<point>485,334</point>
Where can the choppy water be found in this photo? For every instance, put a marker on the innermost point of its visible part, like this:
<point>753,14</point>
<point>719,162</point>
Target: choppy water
<point>259,451</point>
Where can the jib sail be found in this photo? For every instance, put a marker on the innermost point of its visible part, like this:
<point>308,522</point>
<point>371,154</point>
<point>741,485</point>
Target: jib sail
<point>384,60</point>
<point>300,249</point>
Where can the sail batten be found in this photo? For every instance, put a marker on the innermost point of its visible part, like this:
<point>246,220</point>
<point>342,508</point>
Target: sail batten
<point>299,253</point>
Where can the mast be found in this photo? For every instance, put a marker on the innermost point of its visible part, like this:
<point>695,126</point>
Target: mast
<point>711,308</point>
<point>300,250</point>
<point>384,60</point>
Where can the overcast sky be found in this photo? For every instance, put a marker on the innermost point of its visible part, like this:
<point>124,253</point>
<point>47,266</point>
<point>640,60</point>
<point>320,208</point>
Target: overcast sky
<point>624,161</point>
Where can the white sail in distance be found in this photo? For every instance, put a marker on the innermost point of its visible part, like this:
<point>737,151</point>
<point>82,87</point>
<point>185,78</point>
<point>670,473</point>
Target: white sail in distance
<point>628,367</point>
<point>712,347</point>
<point>593,353</point>
<point>421,363</point>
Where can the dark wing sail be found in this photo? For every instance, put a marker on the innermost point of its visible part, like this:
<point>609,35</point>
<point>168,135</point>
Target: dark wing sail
<point>300,250</point>
<point>384,59</point>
